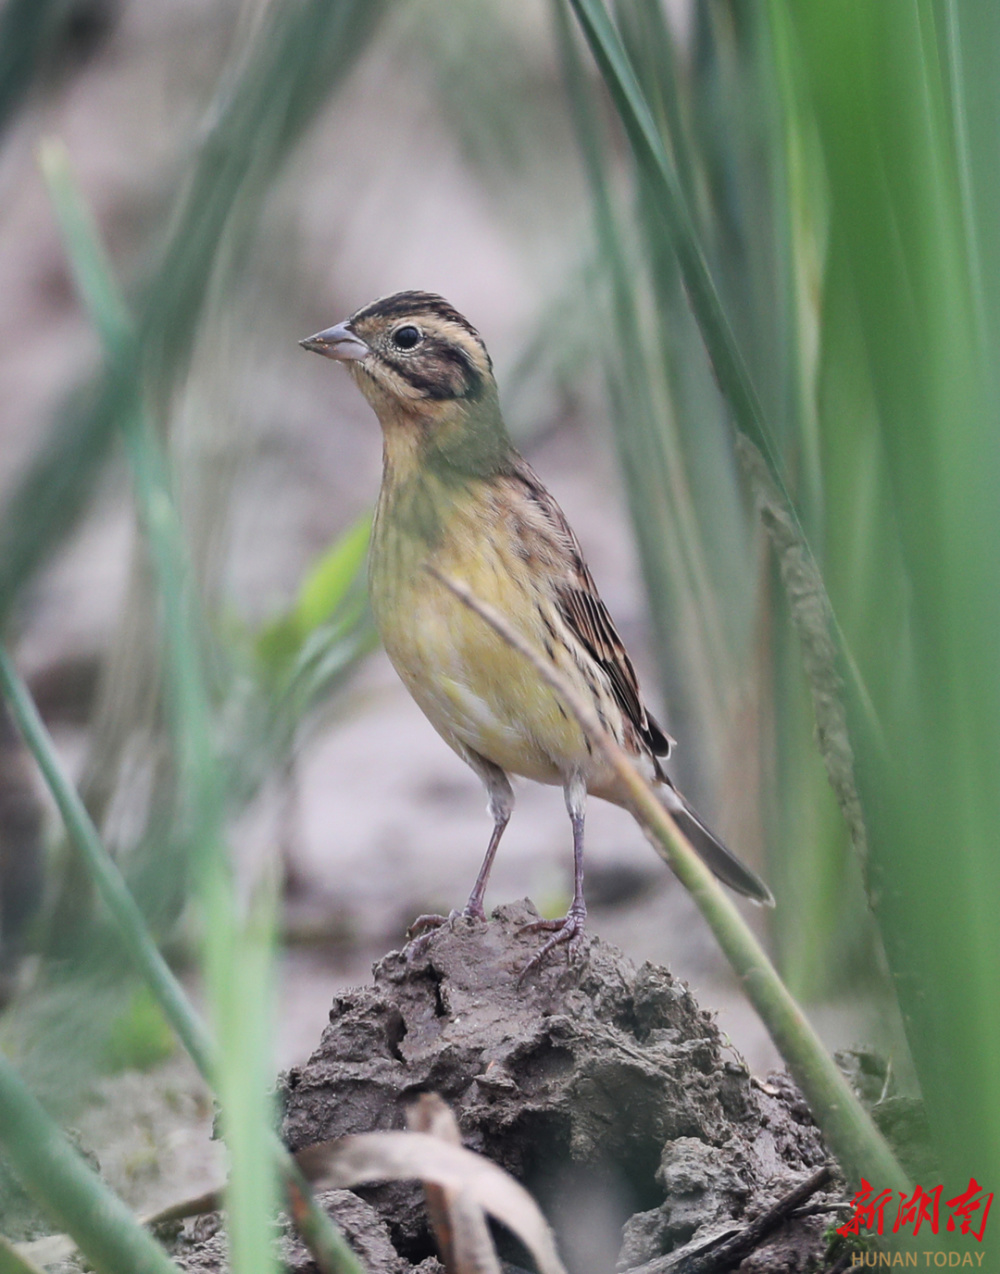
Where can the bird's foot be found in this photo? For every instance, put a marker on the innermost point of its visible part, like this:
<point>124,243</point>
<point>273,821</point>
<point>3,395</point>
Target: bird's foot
<point>567,932</point>
<point>473,910</point>
<point>427,924</point>
<point>424,927</point>
<point>421,931</point>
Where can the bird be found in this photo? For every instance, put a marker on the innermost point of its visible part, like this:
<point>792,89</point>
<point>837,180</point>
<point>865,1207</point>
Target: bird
<point>457,501</point>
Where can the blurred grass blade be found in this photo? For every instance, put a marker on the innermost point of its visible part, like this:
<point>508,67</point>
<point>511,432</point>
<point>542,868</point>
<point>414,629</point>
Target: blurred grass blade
<point>299,658</point>
<point>238,972</point>
<point>728,361</point>
<point>88,262</point>
<point>300,55</point>
<point>52,493</point>
<point>237,952</point>
<point>110,885</point>
<point>186,700</point>
<point>280,644</point>
<point>728,615</point>
<point>665,517</point>
<point>963,26</point>
<point>27,30</point>
<point>70,1192</point>
<point>905,303</point>
<point>329,579</point>
<point>13,1261</point>
<point>316,1226</point>
<point>231,950</point>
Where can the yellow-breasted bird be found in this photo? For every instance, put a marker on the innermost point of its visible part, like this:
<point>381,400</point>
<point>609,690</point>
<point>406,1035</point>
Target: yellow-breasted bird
<point>457,498</point>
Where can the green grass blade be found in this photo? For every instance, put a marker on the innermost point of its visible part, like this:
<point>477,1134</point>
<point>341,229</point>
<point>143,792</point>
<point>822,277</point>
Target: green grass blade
<point>13,1262</point>
<point>85,253</point>
<point>237,952</point>
<point>327,583</point>
<point>26,31</point>
<point>110,885</point>
<point>730,366</point>
<point>132,928</point>
<point>727,360</point>
<point>669,537</point>
<point>71,1193</point>
<point>281,643</point>
<point>898,179</point>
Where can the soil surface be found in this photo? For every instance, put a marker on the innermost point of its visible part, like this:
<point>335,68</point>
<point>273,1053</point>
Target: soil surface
<point>603,1087</point>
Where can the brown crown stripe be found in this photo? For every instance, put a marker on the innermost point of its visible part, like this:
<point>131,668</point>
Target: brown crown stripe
<point>414,304</point>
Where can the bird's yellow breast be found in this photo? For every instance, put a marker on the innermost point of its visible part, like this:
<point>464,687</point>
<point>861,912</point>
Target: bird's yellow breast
<point>477,691</point>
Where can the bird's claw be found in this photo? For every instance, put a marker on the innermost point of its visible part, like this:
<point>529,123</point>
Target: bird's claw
<point>567,932</point>
<point>421,932</point>
<point>428,923</point>
<point>424,927</point>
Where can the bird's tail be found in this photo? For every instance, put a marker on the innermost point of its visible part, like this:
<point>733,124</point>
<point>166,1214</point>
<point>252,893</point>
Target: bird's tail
<point>712,852</point>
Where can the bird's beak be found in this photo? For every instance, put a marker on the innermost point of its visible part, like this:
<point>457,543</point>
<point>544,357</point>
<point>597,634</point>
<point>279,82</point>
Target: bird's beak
<point>337,342</point>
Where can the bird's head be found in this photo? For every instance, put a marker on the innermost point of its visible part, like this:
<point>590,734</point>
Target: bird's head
<point>409,351</point>
<point>425,371</point>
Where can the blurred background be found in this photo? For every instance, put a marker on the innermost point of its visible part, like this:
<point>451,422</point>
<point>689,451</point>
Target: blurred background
<point>257,172</point>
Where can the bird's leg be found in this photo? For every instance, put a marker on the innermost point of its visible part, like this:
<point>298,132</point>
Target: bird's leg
<point>501,806</point>
<point>570,929</point>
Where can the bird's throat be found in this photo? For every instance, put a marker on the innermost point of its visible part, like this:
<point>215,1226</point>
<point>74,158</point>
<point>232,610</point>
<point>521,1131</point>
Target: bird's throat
<point>430,459</point>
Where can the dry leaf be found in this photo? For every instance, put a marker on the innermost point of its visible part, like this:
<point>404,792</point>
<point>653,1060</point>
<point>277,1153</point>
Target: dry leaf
<point>406,1156</point>
<point>459,1223</point>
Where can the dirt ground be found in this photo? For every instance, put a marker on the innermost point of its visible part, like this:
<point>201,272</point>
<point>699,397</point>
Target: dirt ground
<point>601,1085</point>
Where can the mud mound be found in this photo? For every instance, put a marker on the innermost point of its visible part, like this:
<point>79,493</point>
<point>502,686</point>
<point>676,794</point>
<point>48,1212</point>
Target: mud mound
<point>603,1087</point>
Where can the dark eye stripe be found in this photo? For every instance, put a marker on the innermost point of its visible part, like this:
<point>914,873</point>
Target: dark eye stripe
<point>443,371</point>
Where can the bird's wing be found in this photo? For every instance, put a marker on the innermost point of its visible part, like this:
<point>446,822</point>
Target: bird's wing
<point>582,609</point>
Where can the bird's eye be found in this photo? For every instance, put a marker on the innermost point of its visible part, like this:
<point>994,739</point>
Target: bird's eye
<point>406,337</point>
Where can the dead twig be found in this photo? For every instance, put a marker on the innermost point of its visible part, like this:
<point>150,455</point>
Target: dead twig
<point>729,1253</point>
